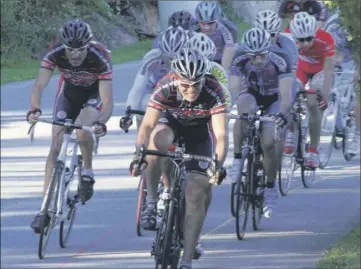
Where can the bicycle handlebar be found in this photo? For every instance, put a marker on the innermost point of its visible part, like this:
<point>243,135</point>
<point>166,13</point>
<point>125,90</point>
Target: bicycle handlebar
<point>69,125</point>
<point>251,117</point>
<point>184,157</point>
<point>129,112</point>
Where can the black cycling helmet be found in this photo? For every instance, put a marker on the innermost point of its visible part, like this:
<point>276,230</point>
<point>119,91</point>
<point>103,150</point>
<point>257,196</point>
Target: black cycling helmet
<point>183,19</point>
<point>75,33</point>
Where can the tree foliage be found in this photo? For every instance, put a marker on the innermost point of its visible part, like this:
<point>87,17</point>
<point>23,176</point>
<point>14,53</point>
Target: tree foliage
<point>350,11</point>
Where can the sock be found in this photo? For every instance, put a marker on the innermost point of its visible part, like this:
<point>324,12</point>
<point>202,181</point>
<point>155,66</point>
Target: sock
<point>87,172</point>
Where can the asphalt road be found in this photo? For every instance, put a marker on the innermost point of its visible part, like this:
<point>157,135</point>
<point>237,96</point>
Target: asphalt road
<point>308,221</point>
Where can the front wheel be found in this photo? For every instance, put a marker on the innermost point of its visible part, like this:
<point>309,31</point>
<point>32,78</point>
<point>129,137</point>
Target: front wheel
<point>50,209</point>
<point>308,176</point>
<point>168,237</point>
<point>142,193</point>
<point>349,133</point>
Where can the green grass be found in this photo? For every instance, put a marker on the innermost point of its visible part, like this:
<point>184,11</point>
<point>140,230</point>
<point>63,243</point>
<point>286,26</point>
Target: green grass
<point>242,28</point>
<point>12,70</point>
<point>345,254</point>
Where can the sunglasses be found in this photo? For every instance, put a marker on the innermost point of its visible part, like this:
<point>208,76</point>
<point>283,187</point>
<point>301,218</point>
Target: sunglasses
<point>208,23</point>
<point>304,39</point>
<point>79,50</point>
<point>198,84</point>
<point>261,55</point>
<point>273,34</point>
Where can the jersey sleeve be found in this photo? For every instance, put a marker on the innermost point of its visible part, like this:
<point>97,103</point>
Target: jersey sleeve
<point>229,32</point>
<point>238,63</point>
<point>330,45</point>
<point>159,98</point>
<point>106,66</point>
<point>283,63</point>
<point>49,60</point>
<point>221,105</point>
<point>323,14</point>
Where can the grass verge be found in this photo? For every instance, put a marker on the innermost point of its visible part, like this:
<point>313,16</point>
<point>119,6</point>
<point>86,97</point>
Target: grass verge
<point>345,254</point>
<point>12,70</point>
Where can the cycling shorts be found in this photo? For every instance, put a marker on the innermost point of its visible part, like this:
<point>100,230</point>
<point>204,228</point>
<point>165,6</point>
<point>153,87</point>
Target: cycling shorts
<point>315,79</point>
<point>269,103</point>
<point>198,140</point>
<point>71,99</point>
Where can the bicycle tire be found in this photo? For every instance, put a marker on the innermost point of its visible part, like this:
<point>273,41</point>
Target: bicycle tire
<point>257,206</point>
<point>307,180</point>
<point>234,193</point>
<point>140,205</point>
<point>243,202</point>
<point>167,243</point>
<point>64,234</point>
<point>45,232</point>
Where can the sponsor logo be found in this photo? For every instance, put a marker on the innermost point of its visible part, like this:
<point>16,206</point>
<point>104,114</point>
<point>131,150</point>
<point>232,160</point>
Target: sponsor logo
<point>92,101</point>
<point>163,120</point>
<point>279,61</point>
<point>61,115</point>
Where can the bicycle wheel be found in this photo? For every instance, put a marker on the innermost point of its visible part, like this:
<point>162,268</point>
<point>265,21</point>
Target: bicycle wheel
<point>142,194</point>
<point>50,210</point>
<point>243,201</point>
<point>349,133</point>
<point>257,206</point>
<point>327,133</point>
<point>168,237</point>
<point>66,225</point>
<point>234,193</point>
<point>308,176</point>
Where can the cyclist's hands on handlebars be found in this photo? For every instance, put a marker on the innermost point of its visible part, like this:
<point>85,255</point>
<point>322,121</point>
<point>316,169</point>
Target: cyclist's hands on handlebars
<point>100,129</point>
<point>217,177</point>
<point>125,123</point>
<point>33,115</point>
<point>280,120</point>
<point>137,166</point>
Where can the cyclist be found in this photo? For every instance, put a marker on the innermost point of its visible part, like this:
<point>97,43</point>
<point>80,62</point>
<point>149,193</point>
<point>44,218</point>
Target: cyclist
<point>156,64</point>
<point>262,75</point>
<point>182,105</point>
<point>222,31</point>
<point>316,8</point>
<point>316,65</point>
<point>185,20</point>
<point>271,22</point>
<point>205,45</point>
<point>84,96</point>
<point>344,54</point>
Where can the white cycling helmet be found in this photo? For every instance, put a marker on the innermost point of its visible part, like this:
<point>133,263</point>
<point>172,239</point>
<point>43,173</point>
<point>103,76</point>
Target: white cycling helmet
<point>256,40</point>
<point>268,20</point>
<point>204,44</point>
<point>172,40</point>
<point>190,64</point>
<point>303,25</point>
<point>208,11</point>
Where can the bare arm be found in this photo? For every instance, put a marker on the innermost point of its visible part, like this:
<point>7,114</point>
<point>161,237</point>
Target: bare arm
<point>220,129</point>
<point>285,87</point>
<point>228,54</point>
<point>149,122</point>
<point>328,69</point>
<point>42,80</point>
<point>106,94</point>
<point>320,24</point>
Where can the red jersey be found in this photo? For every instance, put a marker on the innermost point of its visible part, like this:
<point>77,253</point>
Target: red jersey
<point>313,59</point>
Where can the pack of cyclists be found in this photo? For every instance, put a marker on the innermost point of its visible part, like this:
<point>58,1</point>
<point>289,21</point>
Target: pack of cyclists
<point>195,72</point>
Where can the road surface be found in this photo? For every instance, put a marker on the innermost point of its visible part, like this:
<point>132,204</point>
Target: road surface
<point>308,221</point>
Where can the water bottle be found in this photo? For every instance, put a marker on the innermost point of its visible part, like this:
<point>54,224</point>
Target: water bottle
<point>67,174</point>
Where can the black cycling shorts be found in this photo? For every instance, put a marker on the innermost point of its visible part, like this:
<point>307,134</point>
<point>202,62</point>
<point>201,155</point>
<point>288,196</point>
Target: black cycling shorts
<point>197,139</point>
<point>270,103</point>
<point>71,99</point>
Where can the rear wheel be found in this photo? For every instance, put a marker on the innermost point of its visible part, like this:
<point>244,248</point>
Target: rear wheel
<point>308,176</point>
<point>349,133</point>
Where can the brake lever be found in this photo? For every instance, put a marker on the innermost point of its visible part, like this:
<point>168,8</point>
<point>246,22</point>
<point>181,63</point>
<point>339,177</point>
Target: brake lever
<point>31,131</point>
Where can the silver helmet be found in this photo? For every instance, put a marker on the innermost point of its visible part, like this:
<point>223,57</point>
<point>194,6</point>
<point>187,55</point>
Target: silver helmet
<point>256,40</point>
<point>172,40</point>
<point>208,11</point>
<point>303,25</point>
<point>268,20</point>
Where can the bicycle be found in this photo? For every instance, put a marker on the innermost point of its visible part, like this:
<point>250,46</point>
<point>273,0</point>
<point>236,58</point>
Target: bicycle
<point>58,204</point>
<point>249,188</point>
<point>297,159</point>
<point>342,98</point>
<point>169,238</point>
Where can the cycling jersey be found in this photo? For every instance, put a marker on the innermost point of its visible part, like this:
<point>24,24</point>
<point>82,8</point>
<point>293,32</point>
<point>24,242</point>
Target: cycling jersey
<point>155,65</point>
<point>96,65</point>
<point>312,7</point>
<point>221,75</point>
<point>313,59</point>
<point>286,42</point>
<point>226,35</point>
<point>263,80</point>
<point>210,101</point>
